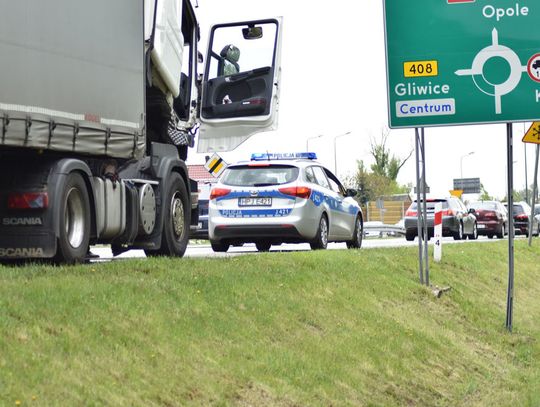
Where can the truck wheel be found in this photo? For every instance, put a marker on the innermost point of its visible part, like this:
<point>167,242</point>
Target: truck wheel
<point>74,221</point>
<point>176,217</point>
<point>321,239</point>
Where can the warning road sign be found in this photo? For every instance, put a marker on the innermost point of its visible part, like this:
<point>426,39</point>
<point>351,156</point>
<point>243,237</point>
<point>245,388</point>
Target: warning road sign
<point>533,134</point>
<point>215,165</point>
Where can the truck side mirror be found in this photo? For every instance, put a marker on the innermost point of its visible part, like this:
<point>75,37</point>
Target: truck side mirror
<point>252,33</point>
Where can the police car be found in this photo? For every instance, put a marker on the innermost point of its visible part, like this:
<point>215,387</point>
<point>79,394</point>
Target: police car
<point>282,198</point>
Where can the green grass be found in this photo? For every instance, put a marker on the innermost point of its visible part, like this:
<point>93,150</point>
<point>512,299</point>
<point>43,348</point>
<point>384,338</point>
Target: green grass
<point>327,328</point>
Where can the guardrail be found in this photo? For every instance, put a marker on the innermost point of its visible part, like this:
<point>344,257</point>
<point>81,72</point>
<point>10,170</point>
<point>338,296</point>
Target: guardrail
<point>382,228</point>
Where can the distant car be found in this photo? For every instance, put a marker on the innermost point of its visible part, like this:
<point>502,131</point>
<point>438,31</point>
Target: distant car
<point>491,218</point>
<point>202,228</point>
<point>282,198</point>
<point>521,213</point>
<point>537,211</point>
<point>457,220</point>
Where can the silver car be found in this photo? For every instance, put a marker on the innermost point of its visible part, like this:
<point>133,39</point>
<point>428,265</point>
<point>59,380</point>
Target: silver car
<point>282,198</point>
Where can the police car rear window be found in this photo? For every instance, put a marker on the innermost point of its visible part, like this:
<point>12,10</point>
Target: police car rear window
<point>253,176</point>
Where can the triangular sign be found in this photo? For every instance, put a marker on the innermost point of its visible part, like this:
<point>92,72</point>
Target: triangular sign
<point>533,134</point>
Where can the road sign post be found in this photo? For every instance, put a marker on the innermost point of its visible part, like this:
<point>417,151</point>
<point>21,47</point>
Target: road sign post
<point>457,62</point>
<point>533,136</point>
<point>437,233</point>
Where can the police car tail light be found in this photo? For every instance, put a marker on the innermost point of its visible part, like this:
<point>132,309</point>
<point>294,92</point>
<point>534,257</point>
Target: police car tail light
<point>298,191</point>
<point>28,200</point>
<point>219,192</point>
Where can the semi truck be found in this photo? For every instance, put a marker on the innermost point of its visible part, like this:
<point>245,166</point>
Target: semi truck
<point>100,102</point>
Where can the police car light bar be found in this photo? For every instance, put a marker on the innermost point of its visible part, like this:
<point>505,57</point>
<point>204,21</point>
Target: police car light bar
<point>283,156</point>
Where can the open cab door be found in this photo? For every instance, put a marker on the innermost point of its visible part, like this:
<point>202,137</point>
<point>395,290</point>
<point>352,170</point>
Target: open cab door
<point>240,89</point>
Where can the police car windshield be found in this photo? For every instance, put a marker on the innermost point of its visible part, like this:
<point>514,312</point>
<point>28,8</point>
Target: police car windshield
<point>254,176</point>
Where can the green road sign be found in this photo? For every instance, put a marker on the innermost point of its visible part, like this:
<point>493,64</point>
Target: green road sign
<point>452,62</point>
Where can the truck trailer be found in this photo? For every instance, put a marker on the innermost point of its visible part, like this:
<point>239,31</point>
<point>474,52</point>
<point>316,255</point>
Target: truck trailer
<point>100,102</point>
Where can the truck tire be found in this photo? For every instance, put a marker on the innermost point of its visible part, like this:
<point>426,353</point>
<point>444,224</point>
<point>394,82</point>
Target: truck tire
<point>74,221</point>
<point>176,217</point>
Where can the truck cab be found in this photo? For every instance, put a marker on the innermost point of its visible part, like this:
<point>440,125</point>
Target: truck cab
<point>97,118</point>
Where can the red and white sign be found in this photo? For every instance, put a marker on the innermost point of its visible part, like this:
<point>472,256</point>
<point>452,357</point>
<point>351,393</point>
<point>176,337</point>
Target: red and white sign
<point>437,233</point>
<point>533,67</point>
<point>460,1</point>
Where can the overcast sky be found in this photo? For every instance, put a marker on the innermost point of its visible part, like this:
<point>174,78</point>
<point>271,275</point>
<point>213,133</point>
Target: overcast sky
<point>334,82</point>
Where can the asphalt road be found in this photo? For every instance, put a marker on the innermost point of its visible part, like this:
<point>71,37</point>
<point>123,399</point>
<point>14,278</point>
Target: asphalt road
<point>204,249</point>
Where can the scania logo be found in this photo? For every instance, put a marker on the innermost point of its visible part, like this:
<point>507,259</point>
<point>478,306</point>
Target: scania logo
<point>21,252</point>
<point>22,221</point>
<point>254,192</point>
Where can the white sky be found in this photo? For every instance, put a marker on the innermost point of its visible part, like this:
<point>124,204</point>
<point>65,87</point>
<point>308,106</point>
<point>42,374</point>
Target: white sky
<point>334,82</point>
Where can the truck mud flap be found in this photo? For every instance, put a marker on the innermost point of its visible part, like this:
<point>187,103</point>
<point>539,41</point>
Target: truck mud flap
<point>26,244</point>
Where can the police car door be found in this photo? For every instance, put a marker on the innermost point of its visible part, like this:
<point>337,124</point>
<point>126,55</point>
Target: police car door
<point>343,208</point>
<point>240,90</point>
<point>329,201</point>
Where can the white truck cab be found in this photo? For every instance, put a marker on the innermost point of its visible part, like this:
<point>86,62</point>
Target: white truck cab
<point>99,104</point>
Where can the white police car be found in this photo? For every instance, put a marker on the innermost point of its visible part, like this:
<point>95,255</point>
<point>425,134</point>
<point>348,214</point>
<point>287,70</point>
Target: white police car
<point>282,198</point>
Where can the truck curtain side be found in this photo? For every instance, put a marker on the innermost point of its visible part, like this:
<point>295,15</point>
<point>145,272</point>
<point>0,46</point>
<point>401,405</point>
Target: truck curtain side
<point>72,76</point>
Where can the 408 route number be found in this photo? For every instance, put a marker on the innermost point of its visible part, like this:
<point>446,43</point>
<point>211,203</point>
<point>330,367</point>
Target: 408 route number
<point>414,69</point>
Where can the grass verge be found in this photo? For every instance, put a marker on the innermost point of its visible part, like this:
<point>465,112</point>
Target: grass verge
<point>281,329</point>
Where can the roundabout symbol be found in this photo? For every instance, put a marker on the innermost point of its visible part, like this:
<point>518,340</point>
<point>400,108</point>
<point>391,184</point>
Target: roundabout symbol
<point>477,69</point>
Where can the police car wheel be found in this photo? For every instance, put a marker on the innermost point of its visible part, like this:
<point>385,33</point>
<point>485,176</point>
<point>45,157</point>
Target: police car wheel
<point>219,247</point>
<point>356,242</point>
<point>321,239</point>
<point>263,246</point>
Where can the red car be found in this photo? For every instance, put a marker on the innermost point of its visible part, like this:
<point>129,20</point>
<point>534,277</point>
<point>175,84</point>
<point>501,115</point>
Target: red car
<point>492,218</point>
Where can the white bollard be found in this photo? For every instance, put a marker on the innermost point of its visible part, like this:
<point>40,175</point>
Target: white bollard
<point>437,232</point>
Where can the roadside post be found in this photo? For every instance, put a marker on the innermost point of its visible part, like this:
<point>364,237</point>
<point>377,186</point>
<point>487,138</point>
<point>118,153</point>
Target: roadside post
<point>533,136</point>
<point>437,232</point>
<point>462,62</point>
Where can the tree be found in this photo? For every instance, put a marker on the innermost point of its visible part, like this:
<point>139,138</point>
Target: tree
<point>386,165</point>
<point>485,196</point>
<point>382,180</point>
<point>371,185</point>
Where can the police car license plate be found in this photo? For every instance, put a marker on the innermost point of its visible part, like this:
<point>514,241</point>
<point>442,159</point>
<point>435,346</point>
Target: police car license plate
<point>258,201</point>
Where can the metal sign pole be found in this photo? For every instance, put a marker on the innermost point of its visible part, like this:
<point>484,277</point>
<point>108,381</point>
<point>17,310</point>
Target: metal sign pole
<point>419,207</point>
<point>510,186</point>
<point>424,206</point>
<point>534,192</point>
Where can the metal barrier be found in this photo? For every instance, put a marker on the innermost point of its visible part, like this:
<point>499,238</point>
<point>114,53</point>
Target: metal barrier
<point>382,228</point>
